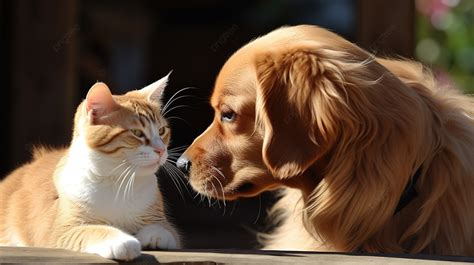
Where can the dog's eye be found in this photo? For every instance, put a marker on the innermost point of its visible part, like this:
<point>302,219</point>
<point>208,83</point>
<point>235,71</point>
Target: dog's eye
<point>227,116</point>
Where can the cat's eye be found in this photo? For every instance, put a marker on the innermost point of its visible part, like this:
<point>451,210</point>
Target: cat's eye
<point>162,130</point>
<point>138,133</point>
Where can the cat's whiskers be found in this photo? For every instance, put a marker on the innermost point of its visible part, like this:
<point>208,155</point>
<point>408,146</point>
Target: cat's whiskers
<point>172,176</point>
<point>128,194</point>
<point>127,179</point>
<point>133,183</point>
<point>122,173</point>
<point>177,148</point>
<point>130,180</point>
<point>121,164</point>
<point>168,104</point>
<point>177,151</point>
<point>178,118</point>
<point>120,180</point>
<point>130,183</point>
<point>170,101</point>
<point>178,173</point>
<point>89,174</point>
<point>174,153</point>
<point>127,184</point>
<point>172,173</point>
<point>123,177</point>
<point>172,159</point>
<point>175,107</point>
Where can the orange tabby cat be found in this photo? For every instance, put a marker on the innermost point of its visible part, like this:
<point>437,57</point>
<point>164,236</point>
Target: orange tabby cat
<point>101,194</point>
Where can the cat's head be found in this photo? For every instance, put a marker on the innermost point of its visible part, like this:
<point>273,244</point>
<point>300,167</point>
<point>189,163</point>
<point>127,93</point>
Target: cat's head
<point>121,131</point>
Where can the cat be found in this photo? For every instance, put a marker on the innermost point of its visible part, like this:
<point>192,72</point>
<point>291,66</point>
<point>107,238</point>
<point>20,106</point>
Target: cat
<point>101,194</point>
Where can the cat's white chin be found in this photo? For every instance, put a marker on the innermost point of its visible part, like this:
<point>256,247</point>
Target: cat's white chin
<point>148,169</point>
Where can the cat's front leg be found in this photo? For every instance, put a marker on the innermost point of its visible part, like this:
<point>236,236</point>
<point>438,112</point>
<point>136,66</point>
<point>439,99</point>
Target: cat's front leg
<point>106,241</point>
<point>157,236</point>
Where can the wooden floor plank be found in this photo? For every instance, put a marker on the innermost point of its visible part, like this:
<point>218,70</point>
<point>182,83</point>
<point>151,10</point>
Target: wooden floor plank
<point>27,255</point>
<point>14,255</point>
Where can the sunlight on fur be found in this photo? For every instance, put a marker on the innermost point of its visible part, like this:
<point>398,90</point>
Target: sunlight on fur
<point>305,109</point>
<point>100,195</point>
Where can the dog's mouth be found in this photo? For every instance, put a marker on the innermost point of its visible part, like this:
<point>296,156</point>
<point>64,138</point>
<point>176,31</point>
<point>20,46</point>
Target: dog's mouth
<point>229,186</point>
<point>231,192</point>
<point>249,189</point>
<point>245,187</point>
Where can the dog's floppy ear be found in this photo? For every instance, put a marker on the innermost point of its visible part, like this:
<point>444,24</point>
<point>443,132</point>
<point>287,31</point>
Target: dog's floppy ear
<point>296,101</point>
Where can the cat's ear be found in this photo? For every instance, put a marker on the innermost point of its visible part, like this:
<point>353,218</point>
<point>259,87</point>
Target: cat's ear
<point>99,102</point>
<point>154,92</point>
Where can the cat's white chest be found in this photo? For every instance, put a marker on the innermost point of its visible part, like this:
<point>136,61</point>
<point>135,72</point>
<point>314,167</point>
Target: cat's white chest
<point>106,190</point>
<point>121,205</point>
<point>109,200</point>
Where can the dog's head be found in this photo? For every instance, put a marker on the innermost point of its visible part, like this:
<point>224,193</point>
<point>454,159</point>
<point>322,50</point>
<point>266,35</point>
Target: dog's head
<point>226,160</point>
<point>282,103</point>
<point>304,108</point>
<point>256,141</point>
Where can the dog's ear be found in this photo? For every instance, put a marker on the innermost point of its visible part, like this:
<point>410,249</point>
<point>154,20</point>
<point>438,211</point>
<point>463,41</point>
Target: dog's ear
<point>297,103</point>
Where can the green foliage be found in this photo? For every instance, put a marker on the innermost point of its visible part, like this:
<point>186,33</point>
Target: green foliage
<point>445,39</point>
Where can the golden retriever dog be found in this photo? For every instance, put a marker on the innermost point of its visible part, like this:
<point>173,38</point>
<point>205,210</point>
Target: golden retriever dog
<point>375,155</point>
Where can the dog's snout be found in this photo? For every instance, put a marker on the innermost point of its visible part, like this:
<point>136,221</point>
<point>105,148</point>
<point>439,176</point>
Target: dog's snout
<point>184,164</point>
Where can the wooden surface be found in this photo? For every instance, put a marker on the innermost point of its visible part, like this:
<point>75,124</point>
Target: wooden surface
<point>58,256</point>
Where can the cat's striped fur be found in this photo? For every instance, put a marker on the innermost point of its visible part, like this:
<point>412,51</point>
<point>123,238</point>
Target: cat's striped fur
<point>99,195</point>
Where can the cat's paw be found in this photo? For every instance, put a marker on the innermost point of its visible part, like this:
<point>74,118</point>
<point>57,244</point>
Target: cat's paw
<point>156,236</point>
<point>120,247</point>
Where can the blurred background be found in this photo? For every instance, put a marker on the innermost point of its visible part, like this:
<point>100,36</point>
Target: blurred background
<point>52,51</point>
<point>445,40</point>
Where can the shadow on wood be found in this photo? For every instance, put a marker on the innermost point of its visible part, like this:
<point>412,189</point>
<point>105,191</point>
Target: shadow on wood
<point>15,255</point>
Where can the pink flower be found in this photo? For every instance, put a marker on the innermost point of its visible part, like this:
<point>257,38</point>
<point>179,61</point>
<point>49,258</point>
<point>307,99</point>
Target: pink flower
<point>430,7</point>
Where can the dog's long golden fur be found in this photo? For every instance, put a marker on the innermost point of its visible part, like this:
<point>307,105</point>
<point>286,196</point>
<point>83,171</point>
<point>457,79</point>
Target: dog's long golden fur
<point>315,112</point>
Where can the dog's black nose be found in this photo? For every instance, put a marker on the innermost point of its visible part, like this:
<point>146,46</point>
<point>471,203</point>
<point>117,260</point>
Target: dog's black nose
<point>183,164</point>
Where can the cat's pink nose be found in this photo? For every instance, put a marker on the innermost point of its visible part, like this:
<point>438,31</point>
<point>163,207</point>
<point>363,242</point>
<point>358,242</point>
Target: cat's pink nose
<point>159,150</point>
<point>158,146</point>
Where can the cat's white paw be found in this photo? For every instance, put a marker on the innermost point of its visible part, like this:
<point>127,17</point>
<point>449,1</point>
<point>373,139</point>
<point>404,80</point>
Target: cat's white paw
<point>156,236</point>
<point>120,247</point>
